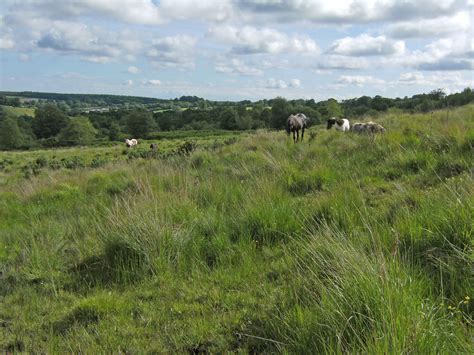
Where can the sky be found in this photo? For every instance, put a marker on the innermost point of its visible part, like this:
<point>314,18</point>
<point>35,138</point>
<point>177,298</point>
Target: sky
<point>237,49</point>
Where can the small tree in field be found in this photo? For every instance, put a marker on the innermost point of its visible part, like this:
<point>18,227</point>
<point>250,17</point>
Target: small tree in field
<point>140,123</point>
<point>334,109</point>
<point>79,131</point>
<point>229,118</point>
<point>280,112</point>
<point>10,134</point>
<point>49,121</point>
<point>114,131</point>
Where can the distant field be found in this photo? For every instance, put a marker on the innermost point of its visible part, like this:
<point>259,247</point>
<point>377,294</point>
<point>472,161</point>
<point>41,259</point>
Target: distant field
<point>19,111</point>
<point>14,164</point>
<point>247,243</point>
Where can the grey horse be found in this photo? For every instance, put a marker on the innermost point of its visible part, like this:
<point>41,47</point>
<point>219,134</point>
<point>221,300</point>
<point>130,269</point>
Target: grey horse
<point>295,123</point>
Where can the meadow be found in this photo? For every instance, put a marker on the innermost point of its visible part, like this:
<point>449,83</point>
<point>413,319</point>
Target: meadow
<point>249,243</point>
<point>18,111</point>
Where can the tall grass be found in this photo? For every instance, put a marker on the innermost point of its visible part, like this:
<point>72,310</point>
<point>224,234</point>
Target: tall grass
<point>344,243</point>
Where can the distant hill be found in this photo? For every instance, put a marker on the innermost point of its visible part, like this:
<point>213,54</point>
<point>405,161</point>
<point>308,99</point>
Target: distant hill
<point>90,98</point>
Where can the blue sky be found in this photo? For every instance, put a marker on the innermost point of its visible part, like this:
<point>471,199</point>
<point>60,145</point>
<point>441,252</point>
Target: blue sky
<point>237,49</point>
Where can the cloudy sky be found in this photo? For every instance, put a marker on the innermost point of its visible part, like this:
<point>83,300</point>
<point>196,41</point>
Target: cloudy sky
<point>237,49</point>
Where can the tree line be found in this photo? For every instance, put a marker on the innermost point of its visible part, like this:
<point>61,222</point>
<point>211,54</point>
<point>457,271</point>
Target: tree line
<point>55,125</point>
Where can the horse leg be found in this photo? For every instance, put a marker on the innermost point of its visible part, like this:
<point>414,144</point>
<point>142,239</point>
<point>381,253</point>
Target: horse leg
<point>302,134</point>
<point>294,136</point>
<point>297,135</point>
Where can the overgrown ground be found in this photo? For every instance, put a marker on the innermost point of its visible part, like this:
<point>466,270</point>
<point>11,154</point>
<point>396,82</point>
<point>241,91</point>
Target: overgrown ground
<point>341,243</point>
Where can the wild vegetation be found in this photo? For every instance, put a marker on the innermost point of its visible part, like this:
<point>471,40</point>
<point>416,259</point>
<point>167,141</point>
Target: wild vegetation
<point>341,243</point>
<point>34,120</point>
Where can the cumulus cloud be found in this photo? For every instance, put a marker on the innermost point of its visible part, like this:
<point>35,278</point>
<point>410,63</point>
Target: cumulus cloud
<point>237,66</point>
<point>336,62</point>
<point>128,82</point>
<point>131,11</point>
<point>366,45</point>
<point>151,82</point>
<point>210,10</point>
<point>347,12</point>
<point>456,53</point>
<point>149,12</point>
<point>281,84</point>
<point>437,79</point>
<point>6,43</point>
<point>252,40</point>
<point>359,80</point>
<point>92,43</point>
<point>173,51</point>
<point>428,28</point>
<point>133,70</point>
<point>295,83</point>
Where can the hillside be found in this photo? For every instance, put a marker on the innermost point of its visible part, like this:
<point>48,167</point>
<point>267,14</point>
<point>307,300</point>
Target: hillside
<point>342,243</point>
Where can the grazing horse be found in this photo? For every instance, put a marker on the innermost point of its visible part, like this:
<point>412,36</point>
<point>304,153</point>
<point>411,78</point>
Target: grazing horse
<point>341,124</point>
<point>153,146</point>
<point>295,123</point>
<point>369,127</point>
<point>131,142</point>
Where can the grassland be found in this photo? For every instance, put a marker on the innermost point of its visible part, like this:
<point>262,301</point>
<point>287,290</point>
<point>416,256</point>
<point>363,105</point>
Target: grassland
<point>343,243</point>
<point>18,111</point>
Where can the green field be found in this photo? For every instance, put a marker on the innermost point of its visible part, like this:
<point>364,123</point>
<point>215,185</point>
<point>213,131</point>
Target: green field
<point>249,243</point>
<point>18,111</point>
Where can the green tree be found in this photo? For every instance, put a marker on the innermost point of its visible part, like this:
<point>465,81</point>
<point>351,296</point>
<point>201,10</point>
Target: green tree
<point>280,113</point>
<point>334,109</point>
<point>229,118</point>
<point>79,131</point>
<point>244,122</point>
<point>266,117</point>
<point>10,134</point>
<point>114,131</point>
<point>49,121</point>
<point>139,123</point>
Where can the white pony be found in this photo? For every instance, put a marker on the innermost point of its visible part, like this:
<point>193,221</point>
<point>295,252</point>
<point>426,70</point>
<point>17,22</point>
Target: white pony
<point>131,142</point>
<point>341,124</point>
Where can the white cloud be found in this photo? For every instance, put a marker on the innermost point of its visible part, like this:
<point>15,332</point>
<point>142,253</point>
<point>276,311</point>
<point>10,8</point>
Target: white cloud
<point>133,70</point>
<point>456,53</point>
<point>281,84</point>
<point>451,81</point>
<point>276,84</point>
<point>131,11</point>
<point>347,12</point>
<point>93,43</point>
<point>359,80</point>
<point>173,52</point>
<point>209,10</point>
<point>128,82</point>
<point>437,27</point>
<point>151,82</point>
<point>149,12</point>
<point>237,66</point>
<point>6,43</point>
<point>415,78</point>
<point>97,59</point>
<point>336,62</point>
<point>366,45</point>
<point>252,40</point>
<point>295,83</point>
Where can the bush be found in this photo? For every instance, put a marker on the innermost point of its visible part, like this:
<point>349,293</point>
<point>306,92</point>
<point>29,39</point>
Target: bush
<point>75,162</point>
